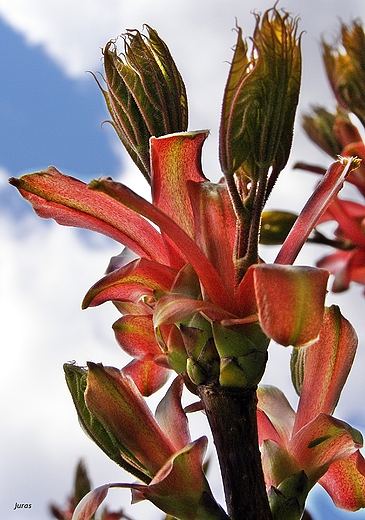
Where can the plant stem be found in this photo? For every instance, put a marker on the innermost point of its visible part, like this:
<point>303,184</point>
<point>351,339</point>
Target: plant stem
<point>231,413</point>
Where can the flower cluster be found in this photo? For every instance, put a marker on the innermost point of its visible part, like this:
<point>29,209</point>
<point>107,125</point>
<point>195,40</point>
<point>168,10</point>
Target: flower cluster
<point>336,134</point>
<point>196,298</point>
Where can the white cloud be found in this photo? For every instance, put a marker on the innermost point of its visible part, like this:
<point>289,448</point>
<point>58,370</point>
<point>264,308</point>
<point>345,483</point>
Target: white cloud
<point>46,271</point>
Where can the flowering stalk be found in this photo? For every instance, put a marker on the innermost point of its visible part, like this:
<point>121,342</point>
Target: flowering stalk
<point>199,301</point>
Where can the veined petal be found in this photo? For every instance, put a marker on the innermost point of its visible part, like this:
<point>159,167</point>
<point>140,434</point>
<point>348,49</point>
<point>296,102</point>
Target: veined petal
<point>116,402</point>
<point>174,308</point>
<point>175,160</point>
<point>277,409</point>
<point>316,205</point>
<point>171,416</point>
<point>147,375</point>
<point>71,203</point>
<point>290,302</point>
<point>136,279</point>
<point>207,274</point>
<point>135,334</point>
<point>213,212</point>
<point>345,482</point>
<point>321,442</point>
<point>327,364</point>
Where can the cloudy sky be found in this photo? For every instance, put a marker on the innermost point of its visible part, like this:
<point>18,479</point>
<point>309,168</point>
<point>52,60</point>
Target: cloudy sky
<point>51,113</point>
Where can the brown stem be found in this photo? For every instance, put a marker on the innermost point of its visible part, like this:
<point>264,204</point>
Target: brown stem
<point>231,414</point>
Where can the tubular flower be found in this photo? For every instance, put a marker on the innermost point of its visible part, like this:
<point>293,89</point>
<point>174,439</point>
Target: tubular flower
<point>312,440</point>
<point>187,268</point>
<point>347,264</point>
<point>156,449</point>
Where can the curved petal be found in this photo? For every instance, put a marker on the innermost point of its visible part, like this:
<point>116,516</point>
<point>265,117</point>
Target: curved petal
<point>213,212</point>
<point>178,487</point>
<point>71,203</point>
<point>316,205</point>
<point>136,279</point>
<point>207,274</point>
<point>136,335</point>
<point>277,463</point>
<point>175,160</point>
<point>174,308</point>
<point>327,364</point>
<point>345,482</point>
<point>171,417</point>
<point>147,375</point>
<point>88,505</point>
<point>273,403</point>
<point>321,442</point>
<point>290,301</point>
<point>116,402</point>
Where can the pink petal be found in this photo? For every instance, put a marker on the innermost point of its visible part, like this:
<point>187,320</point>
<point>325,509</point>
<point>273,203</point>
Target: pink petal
<point>345,482</point>
<point>281,416</point>
<point>131,282</point>
<point>290,302</point>
<point>87,506</point>
<point>171,416</point>
<point>321,442</point>
<point>327,364</point>
<point>71,203</point>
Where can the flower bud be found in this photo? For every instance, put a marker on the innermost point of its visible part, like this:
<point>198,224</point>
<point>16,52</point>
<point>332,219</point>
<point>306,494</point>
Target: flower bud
<point>346,70</point>
<point>261,97</point>
<point>145,93</point>
<point>320,127</point>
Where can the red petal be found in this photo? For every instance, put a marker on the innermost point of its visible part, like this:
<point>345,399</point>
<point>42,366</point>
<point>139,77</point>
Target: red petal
<point>71,203</point>
<point>176,159</point>
<point>317,204</point>
<point>290,302</point>
<point>321,442</point>
<point>215,227</point>
<point>327,364</point>
<point>171,416</point>
<point>345,482</point>
<point>136,335</point>
<point>147,376</point>
<point>136,279</point>
<point>207,274</point>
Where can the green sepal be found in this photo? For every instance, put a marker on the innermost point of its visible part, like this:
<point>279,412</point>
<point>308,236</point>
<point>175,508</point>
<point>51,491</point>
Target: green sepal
<point>242,352</point>
<point>76,379</point>
<point>287,501</point>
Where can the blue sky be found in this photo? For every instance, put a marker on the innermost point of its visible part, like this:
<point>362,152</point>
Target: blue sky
<point>51,113</point>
